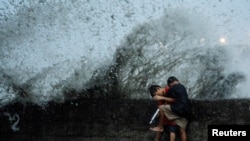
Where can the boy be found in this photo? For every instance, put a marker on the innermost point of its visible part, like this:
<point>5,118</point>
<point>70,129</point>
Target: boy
<point>170,126</point>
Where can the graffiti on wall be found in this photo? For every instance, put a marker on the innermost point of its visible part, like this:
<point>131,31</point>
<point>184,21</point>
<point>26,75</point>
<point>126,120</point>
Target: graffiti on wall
<point>14,120</point>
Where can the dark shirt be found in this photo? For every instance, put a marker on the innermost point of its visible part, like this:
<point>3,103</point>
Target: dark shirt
<point>181,106</point>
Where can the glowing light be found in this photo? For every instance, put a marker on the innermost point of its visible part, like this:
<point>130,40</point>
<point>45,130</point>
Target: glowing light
<point>223,40</point>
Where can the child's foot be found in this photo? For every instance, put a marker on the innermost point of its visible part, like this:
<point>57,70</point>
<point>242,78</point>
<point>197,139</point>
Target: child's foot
<point>157,129</point>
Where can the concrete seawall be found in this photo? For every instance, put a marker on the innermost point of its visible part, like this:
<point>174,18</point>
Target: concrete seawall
<point>107,120</point>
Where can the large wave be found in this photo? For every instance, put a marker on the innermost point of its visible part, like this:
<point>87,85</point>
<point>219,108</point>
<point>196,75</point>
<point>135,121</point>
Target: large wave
<point>176,44</point>
<point>57,50</point>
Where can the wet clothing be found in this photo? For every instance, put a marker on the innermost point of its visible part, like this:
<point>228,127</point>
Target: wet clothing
<point>171,128</point>
<point>180,121</point>
<point>170,125</point>
<point>180,110</point>
<point>181,106</point>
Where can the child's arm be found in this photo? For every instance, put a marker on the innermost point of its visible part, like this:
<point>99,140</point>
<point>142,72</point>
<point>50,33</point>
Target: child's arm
<point>167,99</point>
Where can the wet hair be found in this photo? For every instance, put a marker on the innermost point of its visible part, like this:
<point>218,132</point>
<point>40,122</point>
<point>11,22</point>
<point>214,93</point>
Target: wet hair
<point>152,89</point>
<point>171,79</point>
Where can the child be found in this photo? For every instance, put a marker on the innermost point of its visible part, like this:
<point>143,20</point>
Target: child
<point>170,126</point>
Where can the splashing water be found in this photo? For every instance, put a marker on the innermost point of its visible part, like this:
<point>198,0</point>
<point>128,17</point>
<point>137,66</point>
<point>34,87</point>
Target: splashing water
<point>55,50</point>
<point>176,45</point>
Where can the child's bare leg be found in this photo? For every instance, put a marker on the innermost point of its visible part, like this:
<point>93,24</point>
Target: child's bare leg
<point>172,136</point>
<point>183,135</point>
<point>158,136</point>
<point>159,127</point>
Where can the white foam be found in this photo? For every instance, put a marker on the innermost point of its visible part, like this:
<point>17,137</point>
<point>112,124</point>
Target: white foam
<point>49,45</point>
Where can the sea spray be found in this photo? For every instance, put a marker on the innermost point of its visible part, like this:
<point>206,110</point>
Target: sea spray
<point>58,50</point>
